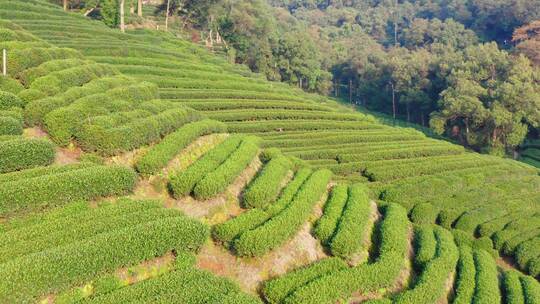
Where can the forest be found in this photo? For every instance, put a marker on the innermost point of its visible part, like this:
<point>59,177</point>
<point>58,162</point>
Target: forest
<point>468,69</point>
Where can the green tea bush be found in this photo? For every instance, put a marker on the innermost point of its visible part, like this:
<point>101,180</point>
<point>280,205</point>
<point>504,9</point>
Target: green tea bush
<point>25,153</point>
<point>61,267</point>
<point>284,225</point>
<point>10,126</point>
<point>325,227</point>
<point>224,104</point>
<point>288,125</point>
<point>225,94</point>
<point>425,245</point>
<point>64,187</point>
<point>15,113</point>
<point>36,110</point>
<point>424,213</point>
<point>265,188</point>
<point>487,282</point>
<point>526,252</point>
<point>366,277</point>
<point>139,132</point>
<point>351,230</point>
<point>531,289</point>
<point>181,183</point>
<point>515,240</point>
<point>276,290</point>
<point>511,285</point>
<point>430,286</point>
<point>9,100</point>
<point>217,181</point>
<point>255,114</point>
<point>160,154</point>
<point>28,76</point>
<point>23,59</point>
<point>401,153</point>
<point>251,219</point>
<point>466,276</point>
<point>59,81</point>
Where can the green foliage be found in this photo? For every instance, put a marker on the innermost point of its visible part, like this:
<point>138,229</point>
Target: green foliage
<point>511,285</point>
<point>350,233</point>
<point>424,213</point>
<point>217,181</point>
<point>251,219</point>
<point>326,226</point>
<point>265,188</point>
<point>277,289</point>
<point>21,154</point>
<point>281,227</point>
<point>110,12</point>
<point>10,126</point>
<point>366,277</point>
<point>466,276</point>
<point>160,154</point>
<point>182,183</point>
<point>487,283</point>
<point>60,188</point>
<point>79,261</point>
<point>9,100</point>
<point>531,289</point>
<point>425,245</point>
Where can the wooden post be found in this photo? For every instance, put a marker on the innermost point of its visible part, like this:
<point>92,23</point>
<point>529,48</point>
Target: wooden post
<point>167,16</point>
<point>139,8</point>
<point>4,62</point>
<point>122,24</point>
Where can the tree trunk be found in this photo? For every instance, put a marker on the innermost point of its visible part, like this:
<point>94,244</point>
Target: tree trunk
<point>139,8</point>
<point>65,5</point>
<point>122,24</point>
<point>131,9</point>
<point>393,101</point>
<point>422,118</point>
<point>350,90</point>
<point>408,112</point>
<point>167,16</point>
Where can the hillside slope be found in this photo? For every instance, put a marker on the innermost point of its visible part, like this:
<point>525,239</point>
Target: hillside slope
<point>143,98</point>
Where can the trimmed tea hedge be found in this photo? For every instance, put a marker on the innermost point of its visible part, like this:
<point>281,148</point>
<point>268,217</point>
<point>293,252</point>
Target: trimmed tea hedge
<point>229,230</point>
<point>217,181</point>
<point>10,100</point>
<point>284,225</point>
<point>425,245</point>
<point>487,282</point>
<point>265,188</point>
<point>10,126</point>
<point>511,285</point>
<point>25,153</point>
<point>366,277</point>
<point>182,183</point>
<point>276,290</point>
<point>326,225</point>
<point>531,289</point>
<point>351,230</point>
<point>60,188</point>
<point>466,276</point>
<point>37,274</point>
<point>160,154</point>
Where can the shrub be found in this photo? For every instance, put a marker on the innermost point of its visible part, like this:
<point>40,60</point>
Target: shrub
<point>276,290</point>
<point>265,188</point>
<point>511,286</point>
<point>229,230</point>
<point>288,125</point>
<point>10,126</point>
<point>160,154</point>
<point>466,276</point>
<point>402,153</point>
<point>217,181</point>
<point>527,251</point>
<point>60,188</point>
<point>182,183</point>
<point>9,100</point>
<point>531,289</point>
<point>430,286</point>
<point>366,277</point>
<point>425,245</point>
<point>284,225</point>
<point>424,213</point>
<point>63,266</point>
<point>351,230</point>
<point>487,282</point>
<point>326,225</point>
<point>25,153</point>
<point>139,132</point>
<point>264,114</point>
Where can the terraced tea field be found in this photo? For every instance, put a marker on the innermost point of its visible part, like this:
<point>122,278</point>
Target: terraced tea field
<point>141,168</point>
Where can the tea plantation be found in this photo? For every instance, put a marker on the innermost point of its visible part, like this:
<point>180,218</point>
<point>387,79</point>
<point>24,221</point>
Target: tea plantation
<point>125,159</point>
